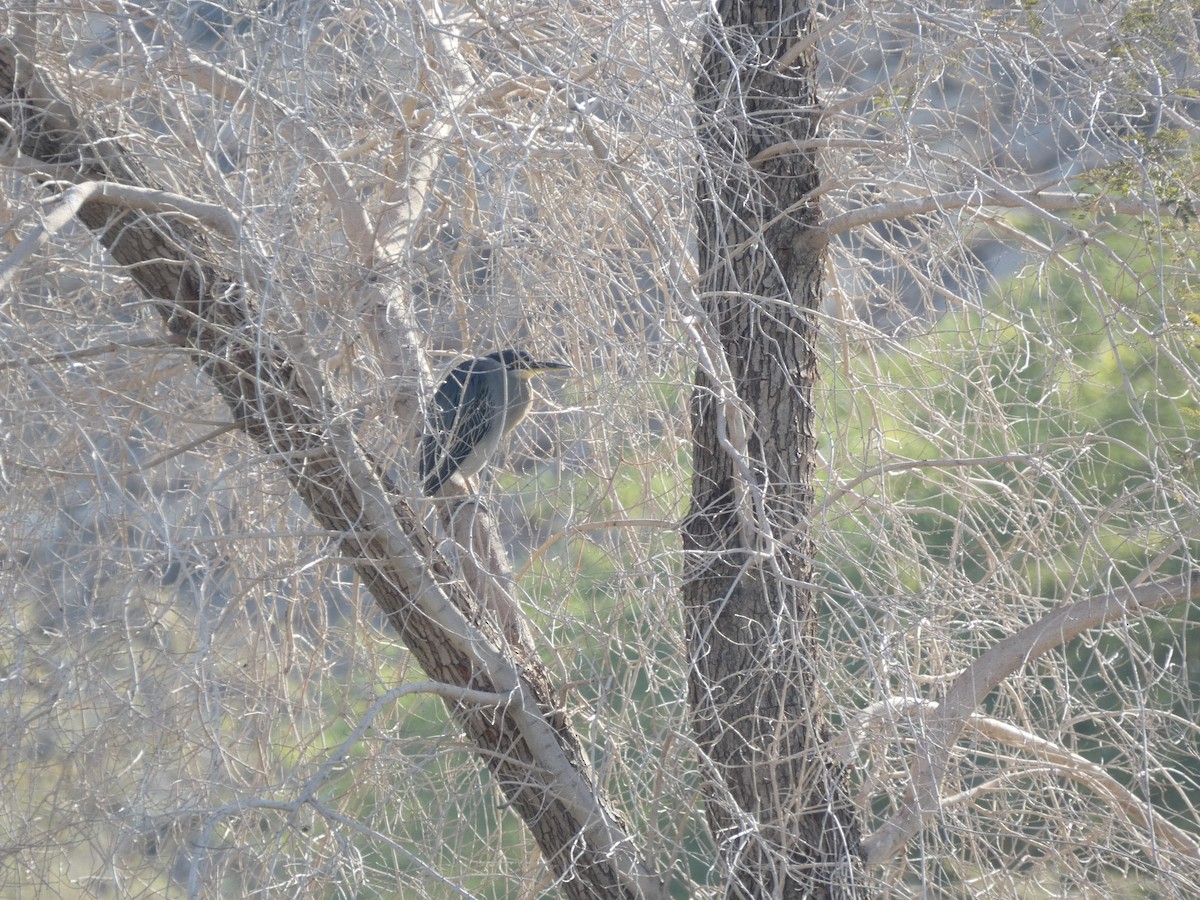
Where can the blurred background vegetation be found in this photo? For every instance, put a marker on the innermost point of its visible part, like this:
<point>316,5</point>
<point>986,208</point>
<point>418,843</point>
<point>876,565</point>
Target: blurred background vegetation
<point>1008,421</point>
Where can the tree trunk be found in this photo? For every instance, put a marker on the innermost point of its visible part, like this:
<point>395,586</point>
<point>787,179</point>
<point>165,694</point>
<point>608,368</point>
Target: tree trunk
<point>778,807</point>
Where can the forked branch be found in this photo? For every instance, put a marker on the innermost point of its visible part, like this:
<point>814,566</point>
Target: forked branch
<point>946,723</point>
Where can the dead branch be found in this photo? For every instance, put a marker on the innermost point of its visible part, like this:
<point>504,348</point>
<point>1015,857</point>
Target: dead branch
<point>968,691</point>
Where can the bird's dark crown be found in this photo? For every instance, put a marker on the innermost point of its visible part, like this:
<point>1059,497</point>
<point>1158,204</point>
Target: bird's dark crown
<point>512,358</point>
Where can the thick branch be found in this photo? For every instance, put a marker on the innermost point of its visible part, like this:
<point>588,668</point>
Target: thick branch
<point>980,197</point>
<point>944,726</point>
<point>278,401</point>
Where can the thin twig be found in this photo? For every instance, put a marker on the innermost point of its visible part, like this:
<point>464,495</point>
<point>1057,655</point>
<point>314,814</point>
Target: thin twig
<point>152,342</point>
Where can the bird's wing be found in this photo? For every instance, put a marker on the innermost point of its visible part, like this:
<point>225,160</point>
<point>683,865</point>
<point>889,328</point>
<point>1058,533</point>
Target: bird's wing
<point>454,432</point>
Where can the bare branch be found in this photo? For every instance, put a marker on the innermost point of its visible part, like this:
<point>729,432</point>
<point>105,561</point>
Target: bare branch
<point>910,465</point>
<point>63,212</point>
<point>72,356</point>
<point>1069,764</point>
<point>451,693</point>
<point>1076,767</point>
<point>985,197</point>
<point>277,398</point>
<point>334,177</point>
<point>981,677</point>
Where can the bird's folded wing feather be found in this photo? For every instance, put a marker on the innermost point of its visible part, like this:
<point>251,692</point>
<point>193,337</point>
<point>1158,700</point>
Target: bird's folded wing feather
<point>454,431</point>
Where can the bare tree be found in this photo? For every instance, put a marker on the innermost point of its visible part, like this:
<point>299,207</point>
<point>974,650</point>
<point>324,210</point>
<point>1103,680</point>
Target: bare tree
<point>936,630</point>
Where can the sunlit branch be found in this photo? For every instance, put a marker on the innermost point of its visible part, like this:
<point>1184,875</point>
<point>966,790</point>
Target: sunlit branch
<point>980,198</point>
<point>963,698</point>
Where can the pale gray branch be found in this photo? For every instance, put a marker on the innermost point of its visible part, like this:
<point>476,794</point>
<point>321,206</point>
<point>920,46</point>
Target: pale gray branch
<point>1077,768</point>
<point>128,196</point>
<point>943,727</point>
<point>72,199</point>
<point>1061,760</point>
<point>449,692</point>
<point>910,465</point>
<point>980,197</point>
<point>338,185</point>
<point>82,353</point>
<point>151,200</point>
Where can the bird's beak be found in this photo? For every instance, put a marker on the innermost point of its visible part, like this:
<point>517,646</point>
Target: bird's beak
<point>541,368</point>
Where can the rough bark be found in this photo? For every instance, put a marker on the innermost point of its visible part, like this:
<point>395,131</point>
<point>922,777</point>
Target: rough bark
<point>777,803</point>
<point>536,760</point>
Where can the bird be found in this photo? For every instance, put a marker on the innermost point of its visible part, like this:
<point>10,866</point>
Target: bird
<point>475,407</point>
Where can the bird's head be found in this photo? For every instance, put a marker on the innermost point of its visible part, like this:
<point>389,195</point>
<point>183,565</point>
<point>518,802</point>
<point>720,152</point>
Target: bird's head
<point>521,364</point>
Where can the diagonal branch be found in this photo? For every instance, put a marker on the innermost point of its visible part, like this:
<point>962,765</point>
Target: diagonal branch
<point>1059,759</point>
<point>277,399</point>
<point>978,197</point>
<point>1079,769</point>
<point>968,691</point>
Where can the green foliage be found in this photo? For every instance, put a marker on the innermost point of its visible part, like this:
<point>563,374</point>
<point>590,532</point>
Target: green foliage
<point>1032,451</point>
<point>1063,402</point>
<point>1167,165</point>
